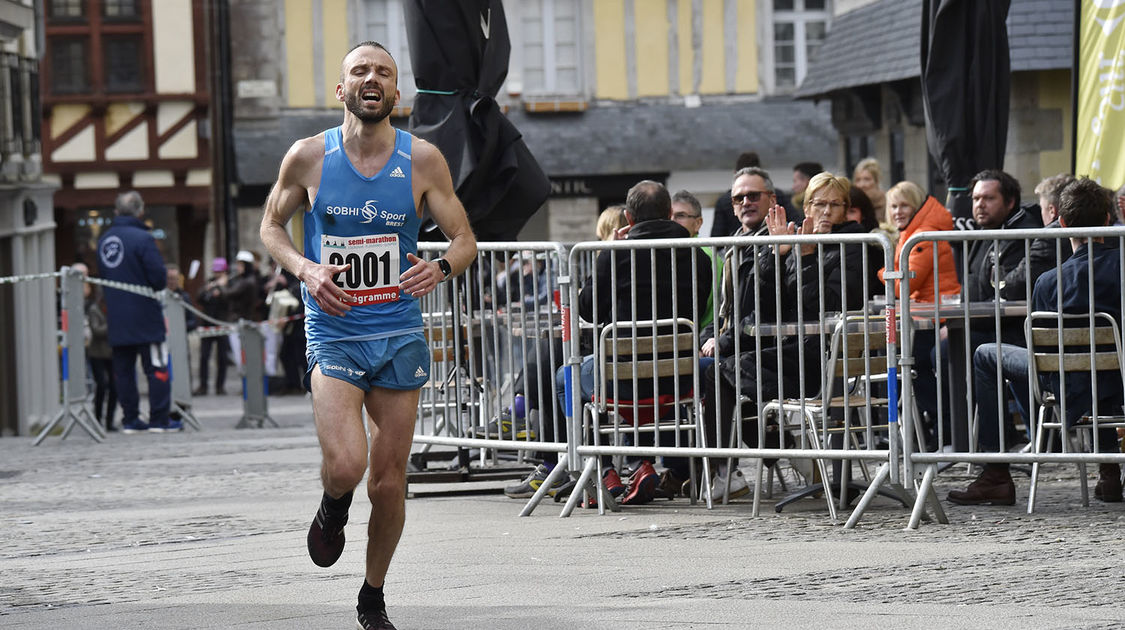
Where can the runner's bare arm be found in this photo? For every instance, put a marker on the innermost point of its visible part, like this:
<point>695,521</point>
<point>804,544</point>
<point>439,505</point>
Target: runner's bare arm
<point>289,195</point>
<point>436,185</point>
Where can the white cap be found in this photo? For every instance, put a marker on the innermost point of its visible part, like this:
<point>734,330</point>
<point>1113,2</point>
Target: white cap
<point>245,256</point>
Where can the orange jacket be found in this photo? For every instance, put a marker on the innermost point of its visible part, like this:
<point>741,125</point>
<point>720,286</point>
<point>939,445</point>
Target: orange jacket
<point>931,217</point>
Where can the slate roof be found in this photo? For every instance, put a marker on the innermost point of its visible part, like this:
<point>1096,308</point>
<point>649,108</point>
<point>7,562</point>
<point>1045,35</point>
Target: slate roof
<point>881,42</point>
<point>608,139</point>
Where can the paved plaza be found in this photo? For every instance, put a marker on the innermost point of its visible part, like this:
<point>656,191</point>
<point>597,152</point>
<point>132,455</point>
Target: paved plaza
<point>207,530</point>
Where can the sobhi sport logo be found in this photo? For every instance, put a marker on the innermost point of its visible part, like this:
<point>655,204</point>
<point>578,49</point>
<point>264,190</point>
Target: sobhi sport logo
<point>112,251</point>
<point>368,211</point>
<point>340,368</point>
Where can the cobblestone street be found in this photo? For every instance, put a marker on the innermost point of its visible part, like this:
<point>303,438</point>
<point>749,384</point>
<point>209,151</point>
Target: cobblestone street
<point>207,529</point>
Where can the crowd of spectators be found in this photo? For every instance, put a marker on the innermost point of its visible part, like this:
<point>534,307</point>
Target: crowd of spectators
<point>759,284</point>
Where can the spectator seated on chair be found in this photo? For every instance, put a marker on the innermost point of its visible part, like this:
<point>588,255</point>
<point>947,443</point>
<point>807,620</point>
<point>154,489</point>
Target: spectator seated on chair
<point>912,211</point>
<point>1082,203</point>
<point>999,270</point>
<point>623,291</point>
<point>747,273</point>
<point>827,199</point>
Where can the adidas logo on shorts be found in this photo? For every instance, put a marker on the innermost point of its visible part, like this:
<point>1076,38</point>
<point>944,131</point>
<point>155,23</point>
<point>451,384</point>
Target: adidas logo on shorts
<point>419,373</point>
<point>398,172</point>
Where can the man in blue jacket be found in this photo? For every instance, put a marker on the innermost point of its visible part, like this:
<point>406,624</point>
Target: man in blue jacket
<point>127,253</point>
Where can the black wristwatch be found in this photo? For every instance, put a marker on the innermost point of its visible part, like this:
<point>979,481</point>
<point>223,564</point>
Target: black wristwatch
<point>443,264</point>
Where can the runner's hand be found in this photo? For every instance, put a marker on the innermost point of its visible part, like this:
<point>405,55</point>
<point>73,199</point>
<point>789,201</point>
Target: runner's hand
<point>422,277</point>
<point>329,297</point>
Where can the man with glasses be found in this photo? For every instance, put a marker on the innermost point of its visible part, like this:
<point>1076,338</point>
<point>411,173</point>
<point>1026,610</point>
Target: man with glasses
<point>752,195</point>
<point>688,212</point>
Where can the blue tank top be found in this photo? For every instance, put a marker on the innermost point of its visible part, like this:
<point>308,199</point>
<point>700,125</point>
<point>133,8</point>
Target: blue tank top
<point>370,223</point>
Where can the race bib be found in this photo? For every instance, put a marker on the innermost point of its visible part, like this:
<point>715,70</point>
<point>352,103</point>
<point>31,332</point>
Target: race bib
<point>373,275</point>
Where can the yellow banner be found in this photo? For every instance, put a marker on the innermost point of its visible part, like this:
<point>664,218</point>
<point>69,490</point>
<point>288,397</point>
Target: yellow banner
<point>1101,92</point>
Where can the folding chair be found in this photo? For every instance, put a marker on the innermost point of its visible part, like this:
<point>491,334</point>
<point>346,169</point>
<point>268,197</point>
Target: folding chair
<point>645,382</point>
<point>1065,344</point>
<point>857,359</point>
<point>453,386</point>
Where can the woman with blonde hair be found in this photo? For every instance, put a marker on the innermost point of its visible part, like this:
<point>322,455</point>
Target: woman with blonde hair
<point>866,177</point>
<point>826,205</point>
<point>912,211</point>
<point>609,221</point>
<point>817,279</point>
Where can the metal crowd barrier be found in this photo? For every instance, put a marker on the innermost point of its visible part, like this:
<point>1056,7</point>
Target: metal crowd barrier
<point>968,324</point>
<point>814,440</point>
<point>486,413</point>
<point>503,332</point>
<point>75,410</point>
<point>251,361</point>
<point>32,343</point>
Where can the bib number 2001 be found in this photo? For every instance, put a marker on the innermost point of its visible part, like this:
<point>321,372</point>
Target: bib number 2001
<point>372,276</point>
<point>371,270</point>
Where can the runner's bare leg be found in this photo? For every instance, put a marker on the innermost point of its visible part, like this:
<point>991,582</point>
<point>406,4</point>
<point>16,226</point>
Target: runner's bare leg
<point>391,414</point>
<point>338,410</point>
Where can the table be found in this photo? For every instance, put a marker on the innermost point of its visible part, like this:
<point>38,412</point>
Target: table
<point>532,324</point>
<point>876,322</point>
<point>923,316</point>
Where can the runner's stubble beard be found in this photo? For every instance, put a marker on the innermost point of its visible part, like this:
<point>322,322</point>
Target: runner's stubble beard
<point>354,103</point>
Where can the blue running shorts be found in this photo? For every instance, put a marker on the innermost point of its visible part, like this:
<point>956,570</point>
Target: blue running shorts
<point>401,362</point>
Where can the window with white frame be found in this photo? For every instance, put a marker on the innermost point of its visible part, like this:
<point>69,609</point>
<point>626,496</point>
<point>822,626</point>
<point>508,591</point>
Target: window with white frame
<point>383,21</point>
<point>799,27</point>
<point>549,52</point>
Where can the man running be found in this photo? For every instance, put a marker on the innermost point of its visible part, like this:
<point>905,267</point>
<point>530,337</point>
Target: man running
<point>362,187</point>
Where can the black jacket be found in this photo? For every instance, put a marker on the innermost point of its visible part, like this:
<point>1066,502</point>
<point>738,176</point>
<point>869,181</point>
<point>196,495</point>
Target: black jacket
<point>843,278</point>
<point>843,286</point>
<point>1008,255</point>
<point>1040,258</point>
<point>213,300</point>
<point>690,287</point>
<point>1015,273</point>
<point>244,295</point>
<point>619,289</point>
<point>753,282</point>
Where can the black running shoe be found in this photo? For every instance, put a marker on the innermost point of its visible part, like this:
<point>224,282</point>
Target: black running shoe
<point>326,538</point>
<point>374,620</point>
